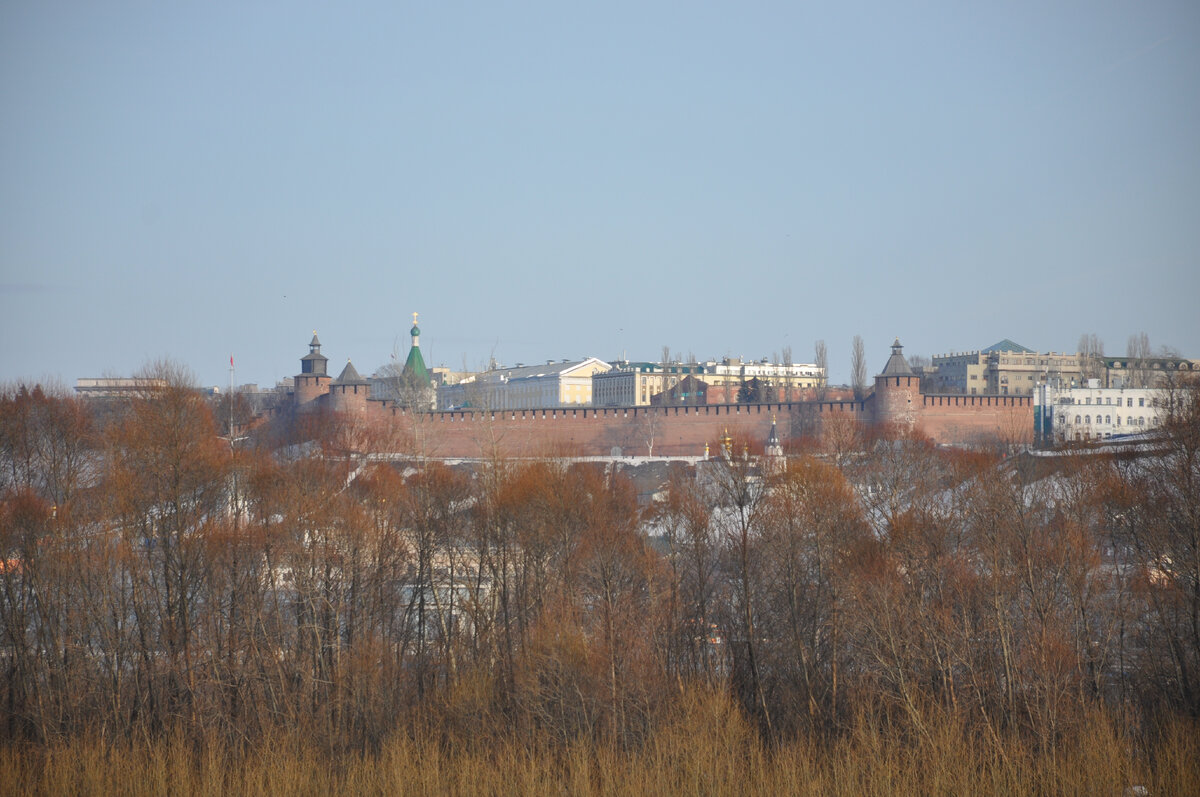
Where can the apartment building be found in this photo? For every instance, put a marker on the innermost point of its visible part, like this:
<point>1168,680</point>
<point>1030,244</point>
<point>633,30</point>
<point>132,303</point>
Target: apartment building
<point>1004,368</point>
<point>1095,413</point>
<point>565,383</point>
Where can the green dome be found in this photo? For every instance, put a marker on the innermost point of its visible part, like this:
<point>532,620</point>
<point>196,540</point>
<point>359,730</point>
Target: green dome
<point>415,331</point>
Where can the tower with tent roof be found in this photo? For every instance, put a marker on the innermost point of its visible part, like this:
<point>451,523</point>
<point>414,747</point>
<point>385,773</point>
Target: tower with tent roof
<point>349,392</point>
<point>897,396</point>
<point>313,380</point>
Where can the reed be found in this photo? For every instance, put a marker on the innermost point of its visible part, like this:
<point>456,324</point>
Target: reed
<point>703,745</point>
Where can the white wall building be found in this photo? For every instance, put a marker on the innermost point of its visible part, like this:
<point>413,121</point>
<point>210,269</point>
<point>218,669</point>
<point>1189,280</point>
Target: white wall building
<point>566,383</point>
<point>635,384</point>
<point>1078,414</point>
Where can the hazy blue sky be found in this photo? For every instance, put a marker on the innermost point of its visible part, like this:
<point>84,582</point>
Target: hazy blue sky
<point>547,180</point>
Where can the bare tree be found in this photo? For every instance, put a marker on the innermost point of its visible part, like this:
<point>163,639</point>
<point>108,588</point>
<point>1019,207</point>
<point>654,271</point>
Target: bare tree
<point>858,368</point>
<point>1137,352</point>
<point>693,557</point>
<point>411,391</point>
<point>811,525</point>
<point>1091,350</point>
<point>1165,536</point>
<point>916,361</point>
<point>786,360</point>
<point>740,492</point>
<point>649,426</point>
<point>821,358</point>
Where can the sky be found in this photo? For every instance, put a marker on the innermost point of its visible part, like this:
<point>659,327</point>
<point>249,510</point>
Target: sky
<point>195,180</point>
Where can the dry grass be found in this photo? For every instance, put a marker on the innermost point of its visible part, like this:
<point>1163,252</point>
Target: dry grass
<point>707,747</point>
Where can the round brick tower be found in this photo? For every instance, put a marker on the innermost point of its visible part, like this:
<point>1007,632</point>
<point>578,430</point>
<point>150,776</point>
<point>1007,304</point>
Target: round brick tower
<point>313,380</point>
<point>349,392</point>
<point>897,393</point>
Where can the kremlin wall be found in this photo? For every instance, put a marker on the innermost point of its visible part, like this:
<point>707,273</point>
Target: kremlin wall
<point>896,405</point>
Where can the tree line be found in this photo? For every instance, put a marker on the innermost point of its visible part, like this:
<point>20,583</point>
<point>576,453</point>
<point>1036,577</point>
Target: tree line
<point>158,578</point>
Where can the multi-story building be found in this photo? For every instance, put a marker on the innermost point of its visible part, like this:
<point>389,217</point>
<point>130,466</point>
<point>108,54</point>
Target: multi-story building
<point>119,386</point>
<point>566,383</point>
<point>640,384</point>
<point>1161,371</point>
<point>635,384</point>
<point>768,381</point>
<point>114,387</point>
<point>1094,413</point>
<point>1003,369</point>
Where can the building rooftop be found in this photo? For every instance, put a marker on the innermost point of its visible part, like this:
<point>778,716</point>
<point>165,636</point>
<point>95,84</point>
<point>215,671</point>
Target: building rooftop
<point>896,364</point>
<point>349,376</point>
<point>553,368</point>
<point>1008,345</point>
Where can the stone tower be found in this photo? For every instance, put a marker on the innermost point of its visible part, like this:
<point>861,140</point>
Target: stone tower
<point>313,380</point>
<point>349,392</point>
<point>897,393</point>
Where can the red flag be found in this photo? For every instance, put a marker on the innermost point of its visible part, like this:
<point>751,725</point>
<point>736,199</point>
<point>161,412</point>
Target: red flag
<point>231,361</point>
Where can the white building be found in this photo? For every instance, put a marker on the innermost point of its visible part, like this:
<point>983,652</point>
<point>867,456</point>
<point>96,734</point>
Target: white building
<point>636,384</point>
<point>566,383</point>
<point>1095,413</point>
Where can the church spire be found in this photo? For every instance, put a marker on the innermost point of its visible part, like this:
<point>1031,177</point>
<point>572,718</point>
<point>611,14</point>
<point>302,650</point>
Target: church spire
<point>774,449</point>
<point>415,364</point>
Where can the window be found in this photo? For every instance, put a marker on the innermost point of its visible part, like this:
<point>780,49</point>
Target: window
<point>1087,419</point>
<point>1141,402</point>
<point>1129,420</point>
<point>1077,419</point>
<point>1087,400</point>
<point>1108,419</point>
<point>1118,420</point>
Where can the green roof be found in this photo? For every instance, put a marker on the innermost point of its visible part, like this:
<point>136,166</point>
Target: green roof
<point>1008,345</point>
<point>415,365</point>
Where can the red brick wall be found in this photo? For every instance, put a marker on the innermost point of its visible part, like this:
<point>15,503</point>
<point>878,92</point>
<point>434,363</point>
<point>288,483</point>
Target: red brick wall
<point>977,419</point>
<point>308,387</point>
<point>897,401</point>
<point>593,431</point>
<point>681,431</point>
<point>684,430</point>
